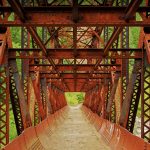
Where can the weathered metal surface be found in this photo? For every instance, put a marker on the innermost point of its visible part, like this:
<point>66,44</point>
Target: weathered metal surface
<point>128,98</point>
<point>145,99</point>
<point>16,105</point>
<point>4,105</point>
<point>23,104</point>
<point>36,85</point>
<point>112,94</point>
<point>45,92</point>
<point>134,104</point>
<point>64,18</point>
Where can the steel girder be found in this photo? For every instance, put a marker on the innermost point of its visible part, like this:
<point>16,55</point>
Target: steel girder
<point>112,95</point>
<point>99,16</point>
<point>145,99</point>
<point>4,105</point>
<point>129,93</point>
<point>23,103</point>
<point>15,105</point>
<point>134,103</point>
<point>4,88</point>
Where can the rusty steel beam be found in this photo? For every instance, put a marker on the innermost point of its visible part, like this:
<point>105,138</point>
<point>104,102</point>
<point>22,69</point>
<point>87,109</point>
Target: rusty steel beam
<point>44,90</point>
<point>67,50</point>
<point>145,97</point>
<point>84,8</point>
<point>82,54</point>
<point>112,94</point>
<point>71,73</point>
<point>17,7</point>
<point>118,56</point>
<point>82,67</point>
<point>89,18</point>
<point>2,46</point>
<point>15,105</point>
<point>39,42</point>
<point>147,46</point>
<point>79,76</point>
<point>129,93</point>
<point>23,104</point>
<point>25,43</point>
<point>59,16</point>
<point>131,10</point>
<point>20,12</point>
<point>4,105</point>
<point>112,39</point>
<point>36,85</point>
<point>134,104</point>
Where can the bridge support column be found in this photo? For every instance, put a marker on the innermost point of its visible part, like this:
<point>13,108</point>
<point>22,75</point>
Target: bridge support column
<point>4,104</point>
<point>145,100</point>
<point>36,85</point>
<point>44,91</point>
<point>125,112</point>
<point>23,104</point>
<point>112,96</point>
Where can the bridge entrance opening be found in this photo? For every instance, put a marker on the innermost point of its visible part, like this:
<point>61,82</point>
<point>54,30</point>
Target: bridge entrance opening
<point>74,98</point>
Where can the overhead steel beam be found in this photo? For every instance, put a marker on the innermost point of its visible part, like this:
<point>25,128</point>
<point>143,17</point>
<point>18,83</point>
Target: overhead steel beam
<point>40,44</point>
<point>82,54</point>
<point>112,39</point>
<point>67,50</point>
<point>79,75</point>
<point>17,7</point>
<point>85,67</point>
<point>129,13</point>
<point>81,8</point>
<point>89,18</point>
<point>131,9</point>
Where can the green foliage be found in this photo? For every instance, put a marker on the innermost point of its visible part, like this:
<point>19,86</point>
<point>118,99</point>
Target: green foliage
<point>16,36</point>
<point>12,126</point>
<point>134,36</point>
<point>74,98</point>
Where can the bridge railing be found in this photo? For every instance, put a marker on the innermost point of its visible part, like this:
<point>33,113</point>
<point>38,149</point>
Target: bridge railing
<point>114,135</point>
<point>38,137</point>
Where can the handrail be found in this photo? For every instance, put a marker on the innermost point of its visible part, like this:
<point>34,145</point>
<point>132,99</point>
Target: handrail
<point>117,137</point>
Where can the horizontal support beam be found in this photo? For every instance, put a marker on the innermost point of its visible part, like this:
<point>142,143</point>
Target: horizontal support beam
<point>70,80</point>
<point>78,76</point>
<point>96,50</point>
<point>60,8</point>
<point>83,67</point>
<point>65,18</point>
<point>79,80</point>
<point>69,54</point>
<point>78,87</point>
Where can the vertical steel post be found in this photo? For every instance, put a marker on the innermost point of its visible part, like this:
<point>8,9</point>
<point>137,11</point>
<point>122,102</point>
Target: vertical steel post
<point>4,104</point>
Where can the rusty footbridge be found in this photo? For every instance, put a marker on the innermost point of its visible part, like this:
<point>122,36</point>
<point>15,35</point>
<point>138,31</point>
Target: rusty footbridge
<point>100,47</point>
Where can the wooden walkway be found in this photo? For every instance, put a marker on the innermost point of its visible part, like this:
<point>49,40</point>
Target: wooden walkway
<point>76,133</point>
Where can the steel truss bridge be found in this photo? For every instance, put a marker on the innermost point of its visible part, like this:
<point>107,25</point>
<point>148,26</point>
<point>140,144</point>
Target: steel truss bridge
<point>74,46</point>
